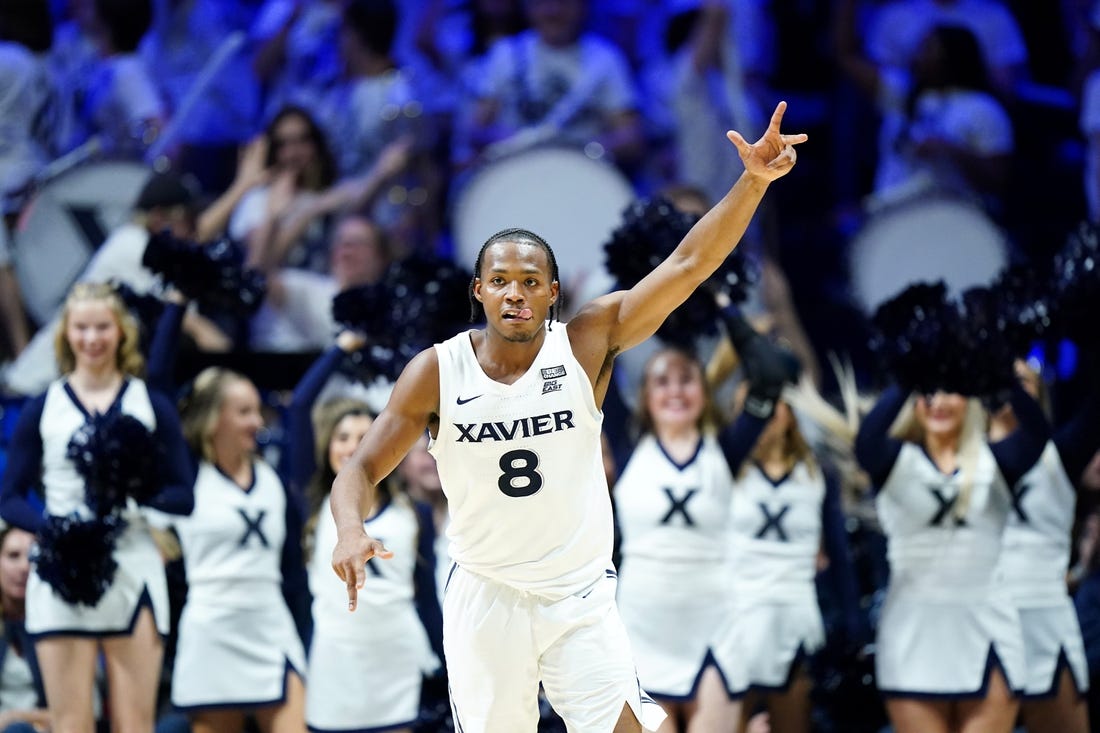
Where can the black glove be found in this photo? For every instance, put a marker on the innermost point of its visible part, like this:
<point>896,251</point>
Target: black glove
<point>767,367</point>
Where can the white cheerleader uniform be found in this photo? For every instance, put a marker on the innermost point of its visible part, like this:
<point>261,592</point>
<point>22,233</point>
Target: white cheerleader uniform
<point>673,579</point>
<point>945,621</point>
<point>365,668</point>
<point>139,580</point>
<point>237,638</point>
<point>1034,559</point>
<point>533,595</point>
<point>775,536</point>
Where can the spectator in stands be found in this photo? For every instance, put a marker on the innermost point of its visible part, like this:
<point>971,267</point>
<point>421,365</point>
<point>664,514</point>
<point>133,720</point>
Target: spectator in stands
<point>167,201</point>
<point>296,58</point>
<point>122,105</point>
<point>943,130</point>
<point>223,102</point>
<point>300,166</point>
<point>556,83</point>
<point>22,694</point>
<point>899,27</point>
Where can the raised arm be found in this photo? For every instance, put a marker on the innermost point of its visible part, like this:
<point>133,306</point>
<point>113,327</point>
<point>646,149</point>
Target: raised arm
<point>620,320</point>
<point>1018,452</point>
<point>161,365</point>
<point>412,408</point>
<point>875,450</point>
<point>176,494</point>
<point>300,464</point>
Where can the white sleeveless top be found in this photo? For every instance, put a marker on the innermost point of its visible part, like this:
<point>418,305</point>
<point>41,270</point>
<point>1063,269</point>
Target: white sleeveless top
<point>1036,547</point>
<point>233,540</point>
<point>775,531</point>
<point>670,512</point>
<point>522,467</point>
<point>387,583</point>
<point>61,417</point>
<point>929,549</point>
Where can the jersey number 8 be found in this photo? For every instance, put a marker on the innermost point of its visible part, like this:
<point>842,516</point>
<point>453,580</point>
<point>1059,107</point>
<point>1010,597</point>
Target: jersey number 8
<point>519,476</point>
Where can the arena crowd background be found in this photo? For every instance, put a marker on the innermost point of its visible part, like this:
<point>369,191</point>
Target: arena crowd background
<point>121,118</point>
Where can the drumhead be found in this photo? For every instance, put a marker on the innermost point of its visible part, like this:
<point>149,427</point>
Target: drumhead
<point>64,223</point>
<point>925,241</point>
<point>572,201</point>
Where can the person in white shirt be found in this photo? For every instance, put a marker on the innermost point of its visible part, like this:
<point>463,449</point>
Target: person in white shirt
<point>514,414</point>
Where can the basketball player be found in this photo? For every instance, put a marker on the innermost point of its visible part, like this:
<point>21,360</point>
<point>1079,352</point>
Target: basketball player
<point>514,413</point>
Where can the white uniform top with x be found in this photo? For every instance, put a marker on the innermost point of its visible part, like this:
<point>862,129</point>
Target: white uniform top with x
<point>522,468</point>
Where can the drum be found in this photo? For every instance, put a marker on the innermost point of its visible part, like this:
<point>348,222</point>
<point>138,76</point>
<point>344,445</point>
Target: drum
<point>64,223</point>
<point>924,240</point>
<point>572,201</point>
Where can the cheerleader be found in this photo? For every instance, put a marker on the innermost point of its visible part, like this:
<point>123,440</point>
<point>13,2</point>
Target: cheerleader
<point>240,649</point>
<point>365,668</point>
<point>97,354</point>
<point>1033,566</point>
<point>784,512</point>
<point>949,652</point>
<point>672,506</point>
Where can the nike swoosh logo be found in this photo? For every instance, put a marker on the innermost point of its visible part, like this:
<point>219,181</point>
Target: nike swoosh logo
<point>468,399</point>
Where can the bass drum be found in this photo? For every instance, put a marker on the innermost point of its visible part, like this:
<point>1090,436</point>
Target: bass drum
<point>572,201</point>
<point>64,223</point>
<point>925,240</point>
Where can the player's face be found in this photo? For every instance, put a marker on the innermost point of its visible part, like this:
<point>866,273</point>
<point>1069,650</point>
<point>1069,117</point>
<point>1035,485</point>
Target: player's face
<point>515,288</point>
<point>345,437</point>
<point>239,419</point>
<point>15,565</point>
<point>941,413</point>
<point>94,334</point>
<point>675,396</point>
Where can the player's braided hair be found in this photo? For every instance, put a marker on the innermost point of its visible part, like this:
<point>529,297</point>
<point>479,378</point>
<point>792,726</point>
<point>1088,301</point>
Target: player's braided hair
<point>522,236</point>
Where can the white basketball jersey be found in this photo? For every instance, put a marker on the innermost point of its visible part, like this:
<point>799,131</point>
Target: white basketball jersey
<point>672,512</point>
<point>234,538</point>
<point>61,417</point>
<point>522,468</point>
<point>1036,548</point>
<point>775,531</point>
<point>929,548</point>
<point>387,582</point>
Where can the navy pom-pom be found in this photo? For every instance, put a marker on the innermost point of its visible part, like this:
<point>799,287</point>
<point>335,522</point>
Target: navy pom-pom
<point>420,300</point>
<point>1076,283</point>
<point>213,274</point>
<point>118,457</point>
<point>362,308</point>
<point>650,231</point>
<point>913,336</point>
<point>76,557</point>
<point>989,344</point>
<point>1024,302</point>
<point>146,308</point>
<point>931,342</point>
